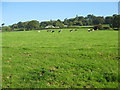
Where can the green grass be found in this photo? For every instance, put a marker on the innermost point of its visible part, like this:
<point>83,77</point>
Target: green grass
<point>78,59</point>
<point>81,26</point>
<point>86,26</point>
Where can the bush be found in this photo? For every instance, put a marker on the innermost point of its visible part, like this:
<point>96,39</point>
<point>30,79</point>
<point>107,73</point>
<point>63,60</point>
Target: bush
<point>115,29</point>
<point>6,28</point>
<point>106,28</point>
<point>21,29</point>
<point>99,27</point>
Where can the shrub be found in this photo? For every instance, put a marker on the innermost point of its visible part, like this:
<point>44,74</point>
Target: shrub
<point>99,27</point>
<point>106,28</point>
<point>21,29</point>
<point>6,28</point>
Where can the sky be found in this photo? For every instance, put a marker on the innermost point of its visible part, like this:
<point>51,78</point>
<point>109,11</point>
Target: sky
<point>13,12</point>
<point>60,0</point>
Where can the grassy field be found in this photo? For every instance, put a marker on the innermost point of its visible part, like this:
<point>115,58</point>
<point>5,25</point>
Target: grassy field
<point>78,59</point>
<point>82,26</point>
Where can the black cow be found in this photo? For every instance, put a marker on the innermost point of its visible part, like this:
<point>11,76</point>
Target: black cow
<point>48,30</point>
<point>71,30</point>
<point>60,31</point>
<point>89,30</point>
<point>52,31</point>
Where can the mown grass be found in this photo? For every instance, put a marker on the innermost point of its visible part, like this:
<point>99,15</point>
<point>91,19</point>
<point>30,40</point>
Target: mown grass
<point>78,59</point>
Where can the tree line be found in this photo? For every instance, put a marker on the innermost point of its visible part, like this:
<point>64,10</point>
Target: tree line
<point>112,21</point>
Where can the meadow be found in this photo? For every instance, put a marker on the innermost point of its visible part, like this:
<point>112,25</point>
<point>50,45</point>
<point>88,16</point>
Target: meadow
<point>79,59</point>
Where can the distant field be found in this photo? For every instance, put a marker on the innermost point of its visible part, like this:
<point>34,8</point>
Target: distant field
<point>81,26</point>
<point>86,26</point>
<point>78,59</point>
<point>103,25</point>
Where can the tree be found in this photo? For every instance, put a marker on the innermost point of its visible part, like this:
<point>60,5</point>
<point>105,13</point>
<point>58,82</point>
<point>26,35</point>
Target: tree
<point>90,16</point>
<point>59,20</point>
<point>80,18</point>
<point>58,23</point>
<point>108,20</point>
<point>76,18</point>
<point>116,21</point>
<point>25,25</point>
<point>6,28</point>
<point>14,26</point>
<point>98,20</point>
<point>20,25</point>
<point>34,24</point>
<point>70,24</point>
<point>44,24</point>
<point>99,27</point>
<point>65,21</point>
<point>50,22</point>
<point>90,19</point>
<point>78,23</point>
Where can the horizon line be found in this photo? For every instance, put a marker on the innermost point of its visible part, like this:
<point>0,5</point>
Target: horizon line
<point>59,19</point>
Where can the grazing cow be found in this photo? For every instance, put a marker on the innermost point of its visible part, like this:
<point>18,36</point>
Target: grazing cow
<point>89,30</point>
<point>71,30</point>
<point>48,30</point>
<point>52,31</point>
<point>93,30</point>
<point>60,30</point>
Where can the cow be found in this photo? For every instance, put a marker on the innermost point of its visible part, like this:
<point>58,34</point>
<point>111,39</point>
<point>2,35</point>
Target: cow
<point>52,31</point>
<point>60,31</point>
<point>48,30</point>
<point>89,30</point>
<point>71,30</point>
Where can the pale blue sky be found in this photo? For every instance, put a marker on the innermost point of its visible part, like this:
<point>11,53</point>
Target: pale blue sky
<point>13,12</point>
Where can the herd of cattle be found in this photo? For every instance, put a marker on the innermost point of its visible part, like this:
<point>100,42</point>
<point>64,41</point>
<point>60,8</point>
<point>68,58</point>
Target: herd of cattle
<point>60,30</point>
<point>89,30</point>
